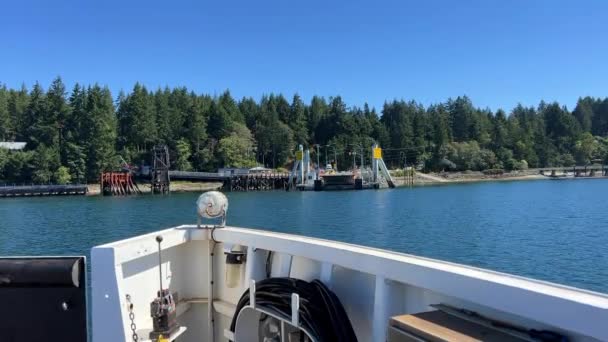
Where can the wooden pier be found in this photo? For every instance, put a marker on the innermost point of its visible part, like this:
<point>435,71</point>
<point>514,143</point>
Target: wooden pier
<point>257,182</point>
<point>242,182</point>
<point>577,171</point>
<point>42,190</point>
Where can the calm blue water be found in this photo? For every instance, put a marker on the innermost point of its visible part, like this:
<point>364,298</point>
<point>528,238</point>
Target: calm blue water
<point>551,230</point>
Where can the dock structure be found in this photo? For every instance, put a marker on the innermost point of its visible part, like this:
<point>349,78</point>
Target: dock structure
<point>409,174</point>
<point>237,182</point>
<point>118,184</point>
<point>160,170</point>
<point>257,182</point>
<point>42,190</point>
<point>577,171</point>
<point>306,178</point>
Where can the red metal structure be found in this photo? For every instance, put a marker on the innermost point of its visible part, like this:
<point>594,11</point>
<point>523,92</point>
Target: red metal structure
<point>118,183</point>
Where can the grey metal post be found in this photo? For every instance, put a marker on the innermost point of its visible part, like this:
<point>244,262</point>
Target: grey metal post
<point>335,158</point>
<point>318,164</point>
<point>374,164</point>
<point>159,239</point>
<point>301,148</point>
<point>305,165</point>
<point>361,154</point>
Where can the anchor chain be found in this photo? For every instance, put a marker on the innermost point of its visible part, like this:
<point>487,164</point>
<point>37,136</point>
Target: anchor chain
<point>135,337</point>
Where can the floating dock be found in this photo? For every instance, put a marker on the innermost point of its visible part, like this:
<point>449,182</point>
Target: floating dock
<point>42,190</point>
<point>321,185</point>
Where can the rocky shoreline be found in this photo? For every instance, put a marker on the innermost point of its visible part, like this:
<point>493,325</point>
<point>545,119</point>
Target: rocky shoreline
<point>466,177</point>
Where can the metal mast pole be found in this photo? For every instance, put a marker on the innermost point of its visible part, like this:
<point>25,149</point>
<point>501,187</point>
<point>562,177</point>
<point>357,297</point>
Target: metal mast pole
<point>335,158</point>
<point>361,154</point>
<point>159,239</point>
<point>318,166</point>
<point>374,164</point>
<point>301,173</point>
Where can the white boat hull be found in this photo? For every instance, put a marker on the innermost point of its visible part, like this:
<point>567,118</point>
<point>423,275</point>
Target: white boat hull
<point>373,285</point>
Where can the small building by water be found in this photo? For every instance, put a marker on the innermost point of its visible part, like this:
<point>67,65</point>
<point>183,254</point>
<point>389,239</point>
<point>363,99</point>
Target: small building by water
<point>12,145</point>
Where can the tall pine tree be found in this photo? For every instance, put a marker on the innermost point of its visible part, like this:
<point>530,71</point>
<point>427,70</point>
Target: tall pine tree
<point>100,132</point>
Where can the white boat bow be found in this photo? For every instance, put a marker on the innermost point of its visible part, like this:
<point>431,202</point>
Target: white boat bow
<point>373,285</point>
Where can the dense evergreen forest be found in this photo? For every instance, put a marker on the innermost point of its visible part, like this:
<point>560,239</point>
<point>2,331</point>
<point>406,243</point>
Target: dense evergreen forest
<point>73,136</point>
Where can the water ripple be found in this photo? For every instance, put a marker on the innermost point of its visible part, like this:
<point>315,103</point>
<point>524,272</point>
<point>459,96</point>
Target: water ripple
<point>555,231</point>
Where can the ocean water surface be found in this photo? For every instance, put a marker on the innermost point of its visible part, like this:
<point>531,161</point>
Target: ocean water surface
<point>551,230</point>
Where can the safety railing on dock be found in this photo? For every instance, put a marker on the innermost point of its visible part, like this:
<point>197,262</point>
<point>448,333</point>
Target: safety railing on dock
<point>194,175</point>
<point>257,182</point>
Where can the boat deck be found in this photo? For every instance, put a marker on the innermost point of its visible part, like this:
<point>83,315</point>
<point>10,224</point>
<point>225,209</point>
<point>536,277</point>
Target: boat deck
<point>372,284</point>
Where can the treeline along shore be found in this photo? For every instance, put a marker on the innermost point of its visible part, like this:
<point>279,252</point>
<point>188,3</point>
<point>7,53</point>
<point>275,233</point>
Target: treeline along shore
<point>74,135</point>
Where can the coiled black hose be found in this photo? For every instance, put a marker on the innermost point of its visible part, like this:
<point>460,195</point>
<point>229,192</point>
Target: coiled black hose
<point>321,312</point>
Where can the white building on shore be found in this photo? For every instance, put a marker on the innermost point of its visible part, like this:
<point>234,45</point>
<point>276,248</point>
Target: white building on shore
<point>12,145</point>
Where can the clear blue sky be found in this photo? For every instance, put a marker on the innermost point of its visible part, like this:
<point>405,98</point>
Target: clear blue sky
<point>497,52</point>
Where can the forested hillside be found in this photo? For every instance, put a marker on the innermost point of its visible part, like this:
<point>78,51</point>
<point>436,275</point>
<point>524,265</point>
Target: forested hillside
<point>74,135</point>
